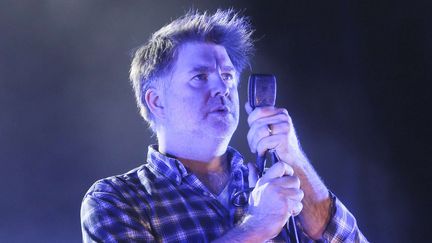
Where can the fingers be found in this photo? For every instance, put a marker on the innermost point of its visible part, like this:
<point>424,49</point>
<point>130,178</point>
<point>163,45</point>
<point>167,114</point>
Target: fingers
<point>248,108</point>
<point>286,182</point>
<point>280,174</point>
<point>278,170</point>
<point>276,197</point>
<point>295,207</point>
<point>266,122</point>
<point>261,112</point>
<point>284,192</point>
<point>281,179</point>
<point>293,198</point>
<point>260,130</point>
<point>267,143</point>
<point>287,189</point>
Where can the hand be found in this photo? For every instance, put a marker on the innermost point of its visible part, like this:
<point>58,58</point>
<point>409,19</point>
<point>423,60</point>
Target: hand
<point>272,128</point>
<point>275,198</point>
<point>315,213</point>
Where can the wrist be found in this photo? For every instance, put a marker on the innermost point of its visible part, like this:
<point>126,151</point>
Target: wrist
<point>296,159</point>
<point>249,226</point>
<point>246,231</point>
<point>316,216</point>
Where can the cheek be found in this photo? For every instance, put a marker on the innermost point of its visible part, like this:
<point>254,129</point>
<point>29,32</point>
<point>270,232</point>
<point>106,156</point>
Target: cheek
<point>235,99</point>
<point>194,101</point>
<point>187,104</point>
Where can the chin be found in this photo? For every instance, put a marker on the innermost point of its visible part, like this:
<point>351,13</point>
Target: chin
<point>223,130</point>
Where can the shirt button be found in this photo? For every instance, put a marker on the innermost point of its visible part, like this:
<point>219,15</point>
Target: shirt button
<point>206,194</point>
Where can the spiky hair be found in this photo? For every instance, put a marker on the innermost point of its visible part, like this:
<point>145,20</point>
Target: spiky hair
<point>156,57</point>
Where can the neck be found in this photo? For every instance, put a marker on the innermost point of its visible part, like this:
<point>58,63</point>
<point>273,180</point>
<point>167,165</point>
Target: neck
<point>200,152</point>
<point>204,156</point>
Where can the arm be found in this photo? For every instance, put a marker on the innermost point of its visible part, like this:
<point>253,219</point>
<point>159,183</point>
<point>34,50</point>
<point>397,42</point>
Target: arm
<point>316,216</point>
<point>316,211</point>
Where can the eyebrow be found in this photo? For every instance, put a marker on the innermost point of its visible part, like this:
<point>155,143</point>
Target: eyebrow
<point>203,68</point>
<point>228,68</point>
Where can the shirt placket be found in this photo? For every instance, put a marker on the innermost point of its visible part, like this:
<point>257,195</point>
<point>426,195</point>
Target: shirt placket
<point>198,187</point>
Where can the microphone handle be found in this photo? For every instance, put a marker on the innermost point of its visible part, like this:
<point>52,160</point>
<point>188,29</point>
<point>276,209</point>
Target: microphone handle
<point>290,228</point>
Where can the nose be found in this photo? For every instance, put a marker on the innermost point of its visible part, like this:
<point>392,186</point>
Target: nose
<point>220,87</point>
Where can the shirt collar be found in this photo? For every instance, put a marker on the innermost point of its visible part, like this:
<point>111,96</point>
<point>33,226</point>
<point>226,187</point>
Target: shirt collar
<point>174,170</point>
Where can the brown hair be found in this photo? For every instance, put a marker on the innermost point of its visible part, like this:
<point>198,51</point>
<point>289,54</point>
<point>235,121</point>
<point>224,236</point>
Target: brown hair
<point>155,58</point>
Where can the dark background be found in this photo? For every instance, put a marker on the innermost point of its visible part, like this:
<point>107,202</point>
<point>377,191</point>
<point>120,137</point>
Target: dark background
<point>353,75</point>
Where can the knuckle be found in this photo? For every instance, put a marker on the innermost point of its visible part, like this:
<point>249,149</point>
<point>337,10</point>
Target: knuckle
<point>283,110</point>
<point>289,119</point>
<point>300,205</point>
<point>298,208</point>
<point>261,123</point>
<point>260,147</point>
<point>249,135</point>
<point>252,117</point>
<point>263,132</point>
<point>289,170</point>
<point>284,128</point>
<point>297,181</point>
<point>300,194</point>
<point>279,165</point>
<point>294,181</point>
<point>249,121</point>
<point>295,206</point>
<point>283,117</point>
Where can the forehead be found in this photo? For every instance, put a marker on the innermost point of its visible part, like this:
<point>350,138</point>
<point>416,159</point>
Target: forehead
<point>193,54</point>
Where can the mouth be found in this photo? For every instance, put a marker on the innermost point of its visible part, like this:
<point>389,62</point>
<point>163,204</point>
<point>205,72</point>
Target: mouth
<point>221,110</point>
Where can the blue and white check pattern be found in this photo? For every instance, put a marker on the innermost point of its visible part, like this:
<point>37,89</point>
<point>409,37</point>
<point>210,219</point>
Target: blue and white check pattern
<point>161,201</point>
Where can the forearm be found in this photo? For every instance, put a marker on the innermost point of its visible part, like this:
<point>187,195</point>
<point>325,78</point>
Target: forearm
<point>243,232</point>
<point>323,216</point>
<point>316,202</point>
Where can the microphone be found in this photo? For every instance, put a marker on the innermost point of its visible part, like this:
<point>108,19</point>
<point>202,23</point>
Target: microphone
<point>262,92</point>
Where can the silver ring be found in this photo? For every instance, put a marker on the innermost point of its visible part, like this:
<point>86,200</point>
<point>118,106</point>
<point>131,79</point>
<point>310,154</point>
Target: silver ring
<point>269,129</point>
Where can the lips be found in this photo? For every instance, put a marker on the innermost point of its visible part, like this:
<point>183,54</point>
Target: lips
<point>221,109</point>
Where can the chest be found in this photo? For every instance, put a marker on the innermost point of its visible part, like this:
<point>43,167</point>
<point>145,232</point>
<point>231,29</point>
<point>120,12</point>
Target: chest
<point>188,214</point>
<point>215,182</point>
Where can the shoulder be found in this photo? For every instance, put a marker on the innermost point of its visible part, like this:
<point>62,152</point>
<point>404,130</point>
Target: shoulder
<point>116,196</point>
<point>119,189</point>
<point>116,207</point>
<point>115,184</point>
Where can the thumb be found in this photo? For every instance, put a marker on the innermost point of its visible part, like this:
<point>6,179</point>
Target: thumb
<point>248,108</point>
<point>279,169</point>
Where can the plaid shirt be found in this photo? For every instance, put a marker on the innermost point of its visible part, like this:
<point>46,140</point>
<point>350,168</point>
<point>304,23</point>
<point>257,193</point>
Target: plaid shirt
<point>161,201</point>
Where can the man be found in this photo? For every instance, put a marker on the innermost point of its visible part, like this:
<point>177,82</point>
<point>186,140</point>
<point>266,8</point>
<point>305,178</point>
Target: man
<point>194,187</point>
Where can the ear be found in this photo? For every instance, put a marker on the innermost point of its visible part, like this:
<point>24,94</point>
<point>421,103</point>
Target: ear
<point>154,102</point>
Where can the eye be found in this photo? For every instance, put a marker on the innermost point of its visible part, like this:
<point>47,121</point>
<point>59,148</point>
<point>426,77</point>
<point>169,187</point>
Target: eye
<point>227,76</point>
<point>200,77</point>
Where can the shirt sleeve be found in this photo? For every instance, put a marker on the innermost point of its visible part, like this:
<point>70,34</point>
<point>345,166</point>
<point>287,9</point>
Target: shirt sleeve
<point>342,226</point>
<point>106,216</point>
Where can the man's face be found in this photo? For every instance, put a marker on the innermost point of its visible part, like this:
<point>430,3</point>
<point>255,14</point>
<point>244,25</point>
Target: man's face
<point>201,99</point>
